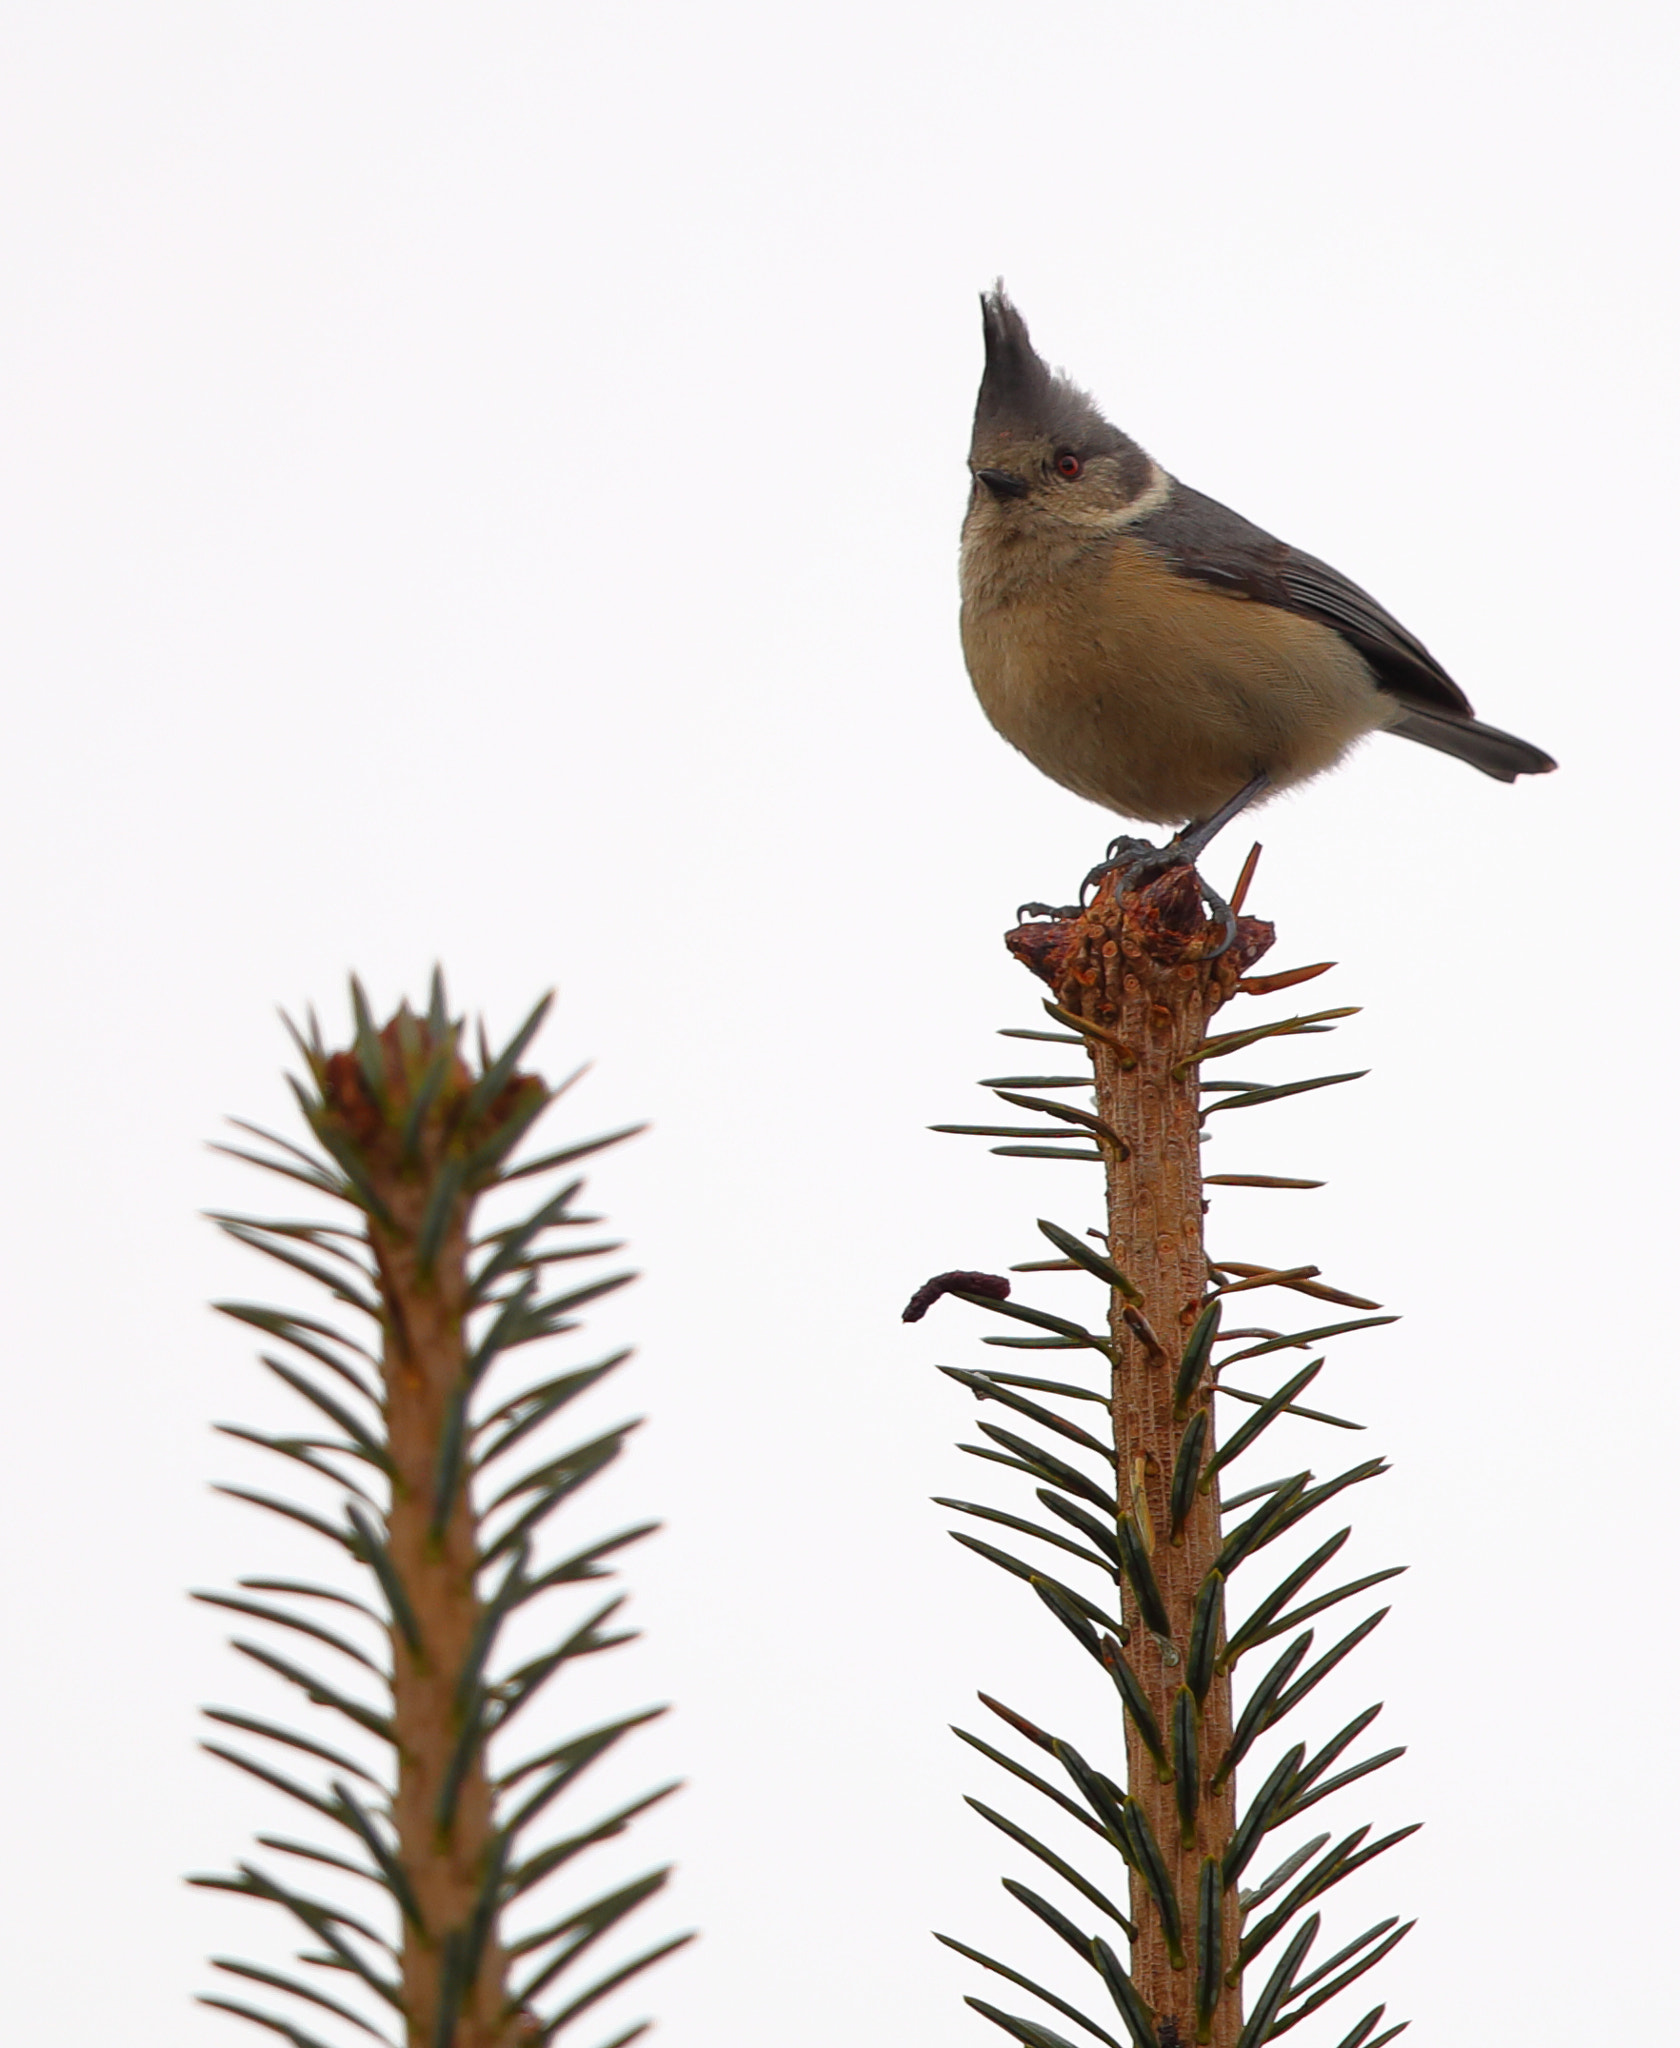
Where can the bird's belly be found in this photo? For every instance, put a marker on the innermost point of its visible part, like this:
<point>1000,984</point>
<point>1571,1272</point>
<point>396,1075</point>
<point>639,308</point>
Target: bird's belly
<point>1158,697</point>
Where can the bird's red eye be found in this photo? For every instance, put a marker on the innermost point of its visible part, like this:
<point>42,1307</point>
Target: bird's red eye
<point>1069,466</point>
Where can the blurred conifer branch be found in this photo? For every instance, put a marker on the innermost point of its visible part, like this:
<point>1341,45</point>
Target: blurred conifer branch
<point>410,1426</point>
<point>1165,1914</point>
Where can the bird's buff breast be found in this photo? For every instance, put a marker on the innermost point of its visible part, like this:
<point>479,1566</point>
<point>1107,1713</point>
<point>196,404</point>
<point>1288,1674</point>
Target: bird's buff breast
<point>1150,694</point>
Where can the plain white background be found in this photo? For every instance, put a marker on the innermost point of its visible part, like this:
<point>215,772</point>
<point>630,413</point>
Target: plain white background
<point>480,484</point>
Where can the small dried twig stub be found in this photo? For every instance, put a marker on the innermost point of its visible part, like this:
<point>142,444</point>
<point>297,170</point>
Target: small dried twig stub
<point>412,1134</point>
<point>993,1284</point>
<point>1136,979</point>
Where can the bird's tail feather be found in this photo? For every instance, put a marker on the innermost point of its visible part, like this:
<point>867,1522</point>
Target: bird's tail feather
<point>1485,747</point>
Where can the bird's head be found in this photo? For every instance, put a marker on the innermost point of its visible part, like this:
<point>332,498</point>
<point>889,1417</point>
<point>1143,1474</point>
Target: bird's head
<point>1041,451</point>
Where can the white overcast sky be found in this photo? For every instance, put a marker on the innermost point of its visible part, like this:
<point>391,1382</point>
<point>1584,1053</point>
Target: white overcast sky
<point>480,483</point>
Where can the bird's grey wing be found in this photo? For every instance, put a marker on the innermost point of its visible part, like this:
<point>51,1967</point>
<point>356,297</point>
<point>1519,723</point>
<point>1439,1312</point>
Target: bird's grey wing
<point>1208,542</point>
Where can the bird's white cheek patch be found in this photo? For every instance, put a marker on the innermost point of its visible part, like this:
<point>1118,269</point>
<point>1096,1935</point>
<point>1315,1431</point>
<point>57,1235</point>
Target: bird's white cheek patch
<point>1152,498</point>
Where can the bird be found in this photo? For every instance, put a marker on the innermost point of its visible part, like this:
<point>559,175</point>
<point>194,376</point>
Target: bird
<point>1154,651</point>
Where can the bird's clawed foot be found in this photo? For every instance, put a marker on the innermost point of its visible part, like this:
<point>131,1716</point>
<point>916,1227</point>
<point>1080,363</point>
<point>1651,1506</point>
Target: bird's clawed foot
<point>1226,915</point>
<point>1138,861</point>
<point>1134,862</point>
<point>1140,864</point>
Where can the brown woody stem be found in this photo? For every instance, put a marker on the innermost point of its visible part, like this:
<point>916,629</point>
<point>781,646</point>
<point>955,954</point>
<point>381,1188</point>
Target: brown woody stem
<point>442,1810</point>
<point>1134,973</point>
<point>453,1968</point>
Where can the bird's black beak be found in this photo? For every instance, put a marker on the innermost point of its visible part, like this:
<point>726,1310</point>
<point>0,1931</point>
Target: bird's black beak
<point>1002,483</point>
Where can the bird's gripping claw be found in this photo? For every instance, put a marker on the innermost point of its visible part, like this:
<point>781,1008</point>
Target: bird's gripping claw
<point>1137,861</point>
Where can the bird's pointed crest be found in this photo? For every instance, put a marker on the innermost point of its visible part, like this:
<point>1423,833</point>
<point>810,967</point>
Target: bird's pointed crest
<point>1021,397</point>
<point>1016,386</point>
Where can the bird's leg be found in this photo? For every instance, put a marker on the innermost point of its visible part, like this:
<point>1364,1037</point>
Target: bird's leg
<point>1136,860</point>
<point>1194,840</point>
